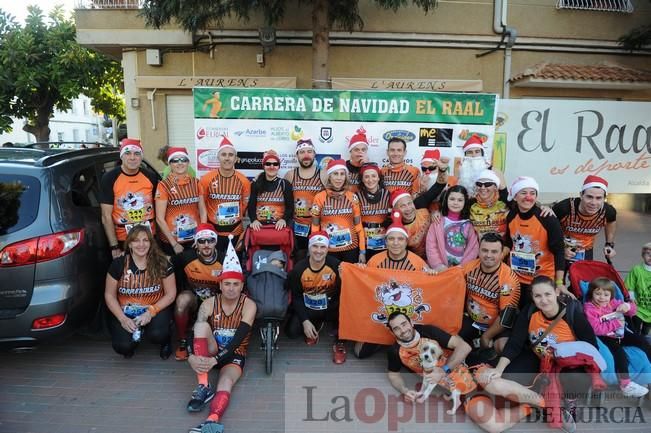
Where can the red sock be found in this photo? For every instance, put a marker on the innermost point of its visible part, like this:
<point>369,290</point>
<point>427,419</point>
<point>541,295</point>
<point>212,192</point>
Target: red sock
<point>218,405</point>
<point>181,322</point>
<point>200,347</point>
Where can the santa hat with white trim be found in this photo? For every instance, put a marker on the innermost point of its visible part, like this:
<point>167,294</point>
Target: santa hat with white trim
<point>396,225</point>
<point>304,143</point>
<point>130,145</point>
<point>595,182</point>
<point>336,164</point>
<point>319,238</point>
<point>231,268</point>
<point>225,144</point>
<point>474,142</point>
<point>205,231</point>
<point>176,152</point>
<point>521,183</point>
<point>358,138</point>
<point>431,155</point>
<point>396,195</point>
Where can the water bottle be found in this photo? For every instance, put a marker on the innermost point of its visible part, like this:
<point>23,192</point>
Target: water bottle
<point>137,335</point>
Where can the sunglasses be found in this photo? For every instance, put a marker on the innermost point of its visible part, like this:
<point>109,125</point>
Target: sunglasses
<point>206,241</point>
<point>484,184</point>
<point>272,164</point>
<point>426,169</point>
<point>177,160</point>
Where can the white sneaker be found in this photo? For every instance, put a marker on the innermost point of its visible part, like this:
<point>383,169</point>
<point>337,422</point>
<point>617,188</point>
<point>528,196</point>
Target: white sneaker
<point>634,390</point>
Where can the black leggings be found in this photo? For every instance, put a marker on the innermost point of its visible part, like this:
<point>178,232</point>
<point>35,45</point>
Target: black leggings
<point>157,331</point>
<point>294,327</point>
<point>616,347</point>
<point>350,256</point>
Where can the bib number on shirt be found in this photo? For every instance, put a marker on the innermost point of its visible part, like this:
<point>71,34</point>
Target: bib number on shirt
<point>228,213</point>
<point>223,336</point>
<point>316,302</point>
<point>133,310</point>
<point>524,263</point>
<point>375,238</point>
<point>129,227</point>
<point>185,232</point>
<point>302,230</point>
<point>340,238</point>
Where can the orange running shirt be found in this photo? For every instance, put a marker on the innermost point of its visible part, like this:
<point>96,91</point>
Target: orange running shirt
<point>353,177</point>
<point>411,262</point>
<point>399,356</point>
<point>135,287</point>
<point>202,277</point>
<point>224,326</point>
<point>374,217</point>
<point>580,230</point>
<point>304,192</point>
<point>271,205</point>
<point>226,200</point>
<point>337,214</point>
<point>488,294</point>
<point>562,333</point>
<point>417,230</point>
<point>182,194</point>
<point>132,198</point>
<point>403,176</point>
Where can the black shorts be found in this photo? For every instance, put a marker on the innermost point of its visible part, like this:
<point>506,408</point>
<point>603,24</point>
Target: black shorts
<point>237,360</point>
<point>469,332</point>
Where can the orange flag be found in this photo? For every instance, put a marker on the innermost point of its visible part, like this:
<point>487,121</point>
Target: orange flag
<point>370,295</point>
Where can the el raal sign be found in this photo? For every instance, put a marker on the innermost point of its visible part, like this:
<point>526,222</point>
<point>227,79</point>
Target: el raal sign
<point>259,119</point>
<point>560,142</point>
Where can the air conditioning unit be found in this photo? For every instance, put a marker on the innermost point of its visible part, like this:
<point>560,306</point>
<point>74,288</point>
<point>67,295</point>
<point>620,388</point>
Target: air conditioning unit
<point>154,57</point>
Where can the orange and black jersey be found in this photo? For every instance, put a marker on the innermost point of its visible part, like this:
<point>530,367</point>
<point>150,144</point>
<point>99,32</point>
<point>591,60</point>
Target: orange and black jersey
<point>271,201</point>
<point>399,356</point>
<point>337,215</point>
<point>201,277</point>
<point>353,176</point>
<point>226,200</point>
<point>375,210</point>
<point>314,289</point>
<point>136,287</point>
<point>487,294</point>
<point>579,229</point>
<point>304,192</point>
<point>182,194</point>
<point>132,198</point>
<point>410,262</point>
<point>417,230</point>
<point>536,244</point>
<point>402,176</point>
<point>224,326</point>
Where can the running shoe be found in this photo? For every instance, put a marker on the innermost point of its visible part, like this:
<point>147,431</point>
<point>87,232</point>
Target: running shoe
<point>201,396</point>
<point>634,390</point>
<point>182,351</point>
<point>208,427</point>
<point>165,350</point>
<point>569,425</point>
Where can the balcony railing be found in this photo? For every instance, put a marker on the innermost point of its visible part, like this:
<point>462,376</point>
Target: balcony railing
<point>108,4</point>
<point>623,6</point>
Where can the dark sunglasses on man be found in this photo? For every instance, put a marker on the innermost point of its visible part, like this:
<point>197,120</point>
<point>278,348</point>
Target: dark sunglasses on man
<point>206,241</point>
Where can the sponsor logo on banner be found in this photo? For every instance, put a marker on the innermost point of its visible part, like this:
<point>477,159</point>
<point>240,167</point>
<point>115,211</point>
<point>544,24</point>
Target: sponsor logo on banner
<point>204,132</point>
<point>249,161</point>
<point>279,133</point>
<point>297,133</point>
<point>322,159</point>
<point>373,141</point>
<point>435,137</point>
<point>207,159</point>
<point>325,135</point>
<point>399,133</point>
<point>251,133</point>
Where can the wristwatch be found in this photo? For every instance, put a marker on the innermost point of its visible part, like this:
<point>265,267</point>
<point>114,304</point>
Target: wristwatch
<point>115,247</point>
<point>447,369</point>
<point>610,244</point>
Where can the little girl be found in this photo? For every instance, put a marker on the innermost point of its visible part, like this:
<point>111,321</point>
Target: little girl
<point>606,315</point>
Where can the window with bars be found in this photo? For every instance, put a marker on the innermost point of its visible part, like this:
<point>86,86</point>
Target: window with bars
<point>623,6</point>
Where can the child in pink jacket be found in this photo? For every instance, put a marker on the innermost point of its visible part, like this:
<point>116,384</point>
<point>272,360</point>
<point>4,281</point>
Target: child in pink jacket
<point>452,240</point>
<point>606,315</point>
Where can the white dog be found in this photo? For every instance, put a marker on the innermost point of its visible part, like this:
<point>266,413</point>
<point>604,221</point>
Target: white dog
<point>430,353</point>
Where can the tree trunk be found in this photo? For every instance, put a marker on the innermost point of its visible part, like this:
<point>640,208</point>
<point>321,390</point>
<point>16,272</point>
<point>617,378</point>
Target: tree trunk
<point>41,130</point>
<point>320,45</point>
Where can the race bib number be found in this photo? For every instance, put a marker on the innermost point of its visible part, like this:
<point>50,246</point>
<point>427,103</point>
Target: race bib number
<point>186,231</point>
<point>480,326</point>
<point>133,310</point>
<point>203,292</point>
<point>375,238</point>
<point>129,227</point>
<point>228,213</point>
<point>223,336</point>
<point>302,230</point>
<point>524,263</point>
<point>340,238</point>
<point>315,302</point>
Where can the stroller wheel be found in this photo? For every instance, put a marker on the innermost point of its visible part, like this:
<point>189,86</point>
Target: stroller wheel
<point>268,341</point>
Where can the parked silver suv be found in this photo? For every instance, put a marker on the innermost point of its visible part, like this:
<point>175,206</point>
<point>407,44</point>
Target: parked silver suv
<point>53,250</point>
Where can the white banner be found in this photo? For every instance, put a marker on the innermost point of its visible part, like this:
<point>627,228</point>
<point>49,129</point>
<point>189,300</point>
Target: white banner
<point>560,142</point>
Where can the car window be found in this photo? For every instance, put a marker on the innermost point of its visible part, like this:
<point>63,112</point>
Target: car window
<point>19,199</point>
<point>108,166</point>
<point>84,188</point>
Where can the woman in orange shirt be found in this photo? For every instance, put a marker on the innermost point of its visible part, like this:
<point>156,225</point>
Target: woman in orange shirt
<point>374,205</point>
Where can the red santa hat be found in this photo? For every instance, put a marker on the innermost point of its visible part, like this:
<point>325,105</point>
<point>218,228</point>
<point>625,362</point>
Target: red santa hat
<point>270,155</point>
<point>231,268</point>
<point>397,194</point>
<point>396,224</point>
<point>130,145</point>
<point>304,143</point>
<point>521,183</point>
<point>474,142</point>
<point>369,166</point>
<point>205,231</point>
<point>431,155</point>
<point>358,138</point>
<point>225,144</point>
<point>336,164</point>
<point>595,182</point>
<point>176,152</point>
<point>319,238</point>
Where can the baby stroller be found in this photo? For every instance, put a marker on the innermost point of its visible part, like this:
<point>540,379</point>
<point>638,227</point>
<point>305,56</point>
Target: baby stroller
<point>266,286</point>
<point>270,239</point>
